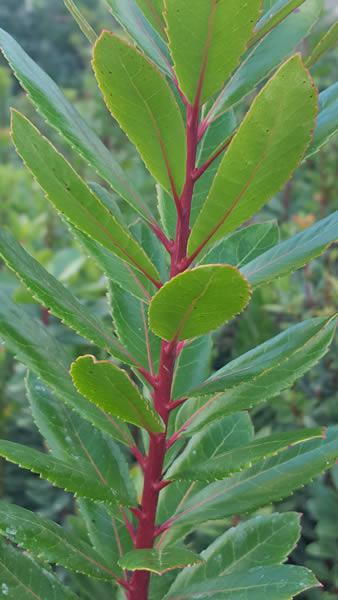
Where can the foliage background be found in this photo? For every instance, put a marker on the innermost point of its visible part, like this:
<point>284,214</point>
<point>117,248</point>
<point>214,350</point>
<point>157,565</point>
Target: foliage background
<point>47,32</point>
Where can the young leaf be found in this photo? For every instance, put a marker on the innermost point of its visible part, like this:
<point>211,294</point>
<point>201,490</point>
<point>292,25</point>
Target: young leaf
<point>68,436</point>
<point>261,157</point>
<point>50,542</point>
<point>72,478</point>
<point>33,345</point>
<point>328,41</point>
<point>263,540</point>
<point>192,303</point>
<point>144,106</point>
<point>231,461</point>
<point>63,116</point>
<point>57,298</point>
<point>73,198</point>
<point>131,18</point>
<point>244,245</point>
<point>197,35</point>
<point>268,481</point>
<point>23,578</point>
<point>159,561</point>
<point>266,356</point>
<point>327,122</point>
<point>110,388</point>
<point>293,253</point>
<point>271,51</point>
<point>276,583</point>
<point>289,356</point>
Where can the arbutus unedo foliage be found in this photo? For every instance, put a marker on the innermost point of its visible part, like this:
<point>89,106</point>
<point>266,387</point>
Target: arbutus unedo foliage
<point>150,442</point>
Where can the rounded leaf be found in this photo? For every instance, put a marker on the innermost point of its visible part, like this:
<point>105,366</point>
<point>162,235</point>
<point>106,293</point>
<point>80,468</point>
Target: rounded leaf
<point>198,301</point>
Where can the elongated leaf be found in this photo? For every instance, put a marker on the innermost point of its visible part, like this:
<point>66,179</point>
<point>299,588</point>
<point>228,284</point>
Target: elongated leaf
<point>159,561</point>
<point>195,360</point>
<point>327,123</point>
<point>275,583</point>
<point>267,55</point>
<point>131,322</point>
<point>110,388</point>
<point>192,303</point>
<point>244,245</point>
<point>231,461</point>
<point>63,116</point>
<point>69,436</point>
<point>131,18</point>
<point>23,578</point>
<point>153,10</point>
<point>293,253</point>
<point>268,481</point>
<point>264,357</point>
<point>72,478</point>
<point>196,38</point>
<point>288,359</point>
<point>263,540</point>
<point>328,41</point>
<point>50,542</point>
<point>278,12</point>
<point>144,106</point>
<point>58,299</point>
<point>261,156</point>
<point>33,345</point>
<point>72,197</point>
<point>82,22</point>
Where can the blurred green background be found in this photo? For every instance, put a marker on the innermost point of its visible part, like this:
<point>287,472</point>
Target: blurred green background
<point>48,33</point>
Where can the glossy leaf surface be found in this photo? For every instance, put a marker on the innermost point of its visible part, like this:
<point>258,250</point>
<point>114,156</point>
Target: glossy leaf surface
<point>261,157</point>
<point>327,122</point>
<point>197,34</point>
<point>144,106</point>
<point>327,42</point>
<point>72,197</point>
<point>198,301</point>
<point>110,388</point>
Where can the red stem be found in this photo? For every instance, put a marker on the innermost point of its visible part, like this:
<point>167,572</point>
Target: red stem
<point>153,463</point>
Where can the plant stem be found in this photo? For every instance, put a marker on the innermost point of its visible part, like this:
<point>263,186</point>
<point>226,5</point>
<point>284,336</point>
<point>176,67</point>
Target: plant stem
<point>154,461</point>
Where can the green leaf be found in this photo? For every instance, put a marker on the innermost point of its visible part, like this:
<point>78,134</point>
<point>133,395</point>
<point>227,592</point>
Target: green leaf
<point>268,481</point>
<point>72,197</point>
<point>153,10</point>
<point>23,578</point>
<point>278,12</point>
<point>192,303</point>
<point>327,42</point>
<point>263,540</point>
<point>196,38</point>
<point>260,158</point>
<point>110,388</point>
<point>130,17</point>
<point>262,373</point>
<point>82,22</point>
<point>267,55</point>
<point>327,122</point>
<point>57,298</point>
<point>275,583</point>
<point>195,360</point>
<point>33,345</point>
<point>69,436</point>
<point>70,477</point>
<point>145,107</point>
<point>159,561</point>
<point>244,245</point>
<point>293,253</point>
<point>130,316</point>
<point>63,116</point>
<point>50,542</point>
<point>232,461</point>
<point>266,356</point>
